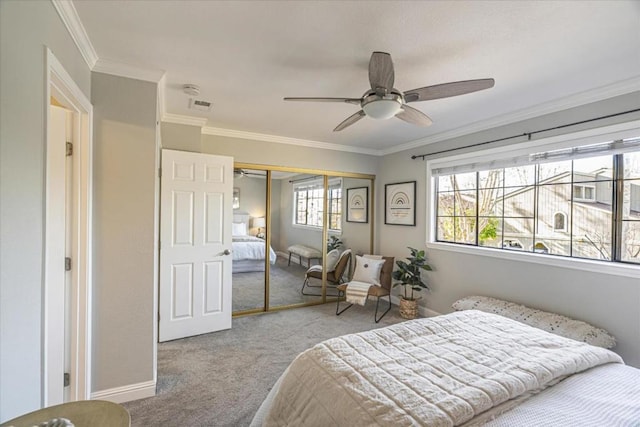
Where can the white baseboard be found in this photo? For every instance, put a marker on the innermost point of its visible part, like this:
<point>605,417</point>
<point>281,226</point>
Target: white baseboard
<point>126,393</point>
<point>424,311</point>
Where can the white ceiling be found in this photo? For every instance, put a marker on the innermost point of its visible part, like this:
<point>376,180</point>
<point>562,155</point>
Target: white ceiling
<point>246,56</point>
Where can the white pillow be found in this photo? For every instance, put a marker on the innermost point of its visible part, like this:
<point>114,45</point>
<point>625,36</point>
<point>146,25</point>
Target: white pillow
<point>332,259</point>
<point>550,322</point>
<point>368,270</point>
<point>238,229</point>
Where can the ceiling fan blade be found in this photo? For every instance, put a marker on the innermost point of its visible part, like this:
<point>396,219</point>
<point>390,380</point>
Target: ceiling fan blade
<point>381,74</point>
<point>446,90</point>
<point>350,120</point>
<point>413,116</point>
<point>355,101</point>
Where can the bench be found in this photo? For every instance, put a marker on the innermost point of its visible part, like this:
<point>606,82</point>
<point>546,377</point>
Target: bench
<point>303,251</point>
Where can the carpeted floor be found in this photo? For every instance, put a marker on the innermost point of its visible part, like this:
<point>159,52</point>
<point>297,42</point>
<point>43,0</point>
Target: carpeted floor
<point>285,283</point>
<point>220,379</point>
<point>284,286</point>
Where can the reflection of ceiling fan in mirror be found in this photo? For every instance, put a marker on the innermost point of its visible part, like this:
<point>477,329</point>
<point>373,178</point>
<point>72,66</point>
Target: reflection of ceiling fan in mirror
<point>383,101</point>
<point>239,173</point>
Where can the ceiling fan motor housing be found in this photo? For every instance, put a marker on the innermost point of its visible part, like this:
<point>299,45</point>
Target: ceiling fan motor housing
<point>382,106</point>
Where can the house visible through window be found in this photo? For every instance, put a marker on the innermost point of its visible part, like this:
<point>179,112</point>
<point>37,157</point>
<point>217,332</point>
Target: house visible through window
<point>308,199</point>
<point>584,192</point>
<point>576,202</point>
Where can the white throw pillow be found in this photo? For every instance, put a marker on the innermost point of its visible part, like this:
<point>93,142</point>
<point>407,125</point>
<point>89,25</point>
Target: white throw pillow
<point>332,259</point>
<point>238,229</point>
<point>368,270</point>
<point>550,322</point>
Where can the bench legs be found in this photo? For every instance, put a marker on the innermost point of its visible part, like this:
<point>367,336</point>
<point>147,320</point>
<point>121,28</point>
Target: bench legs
<point>300,260</point>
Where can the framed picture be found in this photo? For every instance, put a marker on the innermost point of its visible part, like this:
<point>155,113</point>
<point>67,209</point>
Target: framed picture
<point>358,204</point>
<point>236,198</point>
<point>400,203</point>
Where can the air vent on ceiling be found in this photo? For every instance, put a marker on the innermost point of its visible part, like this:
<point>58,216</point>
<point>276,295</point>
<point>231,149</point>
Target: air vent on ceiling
<point>197,104</point>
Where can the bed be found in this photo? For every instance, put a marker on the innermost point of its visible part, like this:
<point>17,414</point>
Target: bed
<point>465,368</point>
<point>248,251</point>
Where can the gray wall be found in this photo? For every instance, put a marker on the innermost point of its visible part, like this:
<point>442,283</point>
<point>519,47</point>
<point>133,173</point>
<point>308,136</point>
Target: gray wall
<point>608,301</point>
<point>356,235</point>
<point>253,199</point>
<point>276,215</point>
<point>181,137</point>
<point>22,174</point>
<point>270,153</point>
<point>123,226</point>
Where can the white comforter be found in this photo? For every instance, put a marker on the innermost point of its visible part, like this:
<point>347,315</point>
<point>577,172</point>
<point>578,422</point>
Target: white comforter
<point>441,371</point>
<point>251,248</point>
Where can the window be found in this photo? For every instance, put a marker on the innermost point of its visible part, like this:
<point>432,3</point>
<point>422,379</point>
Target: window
<point>560,221</point>
<point>580,202</point>
<point>308,200</point>
<point>586,193</point>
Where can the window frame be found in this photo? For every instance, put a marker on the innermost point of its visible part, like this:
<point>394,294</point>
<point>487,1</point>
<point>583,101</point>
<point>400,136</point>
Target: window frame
<point>583,186</point>
<point>319,184</point>
<point>590,136</point>
<point>565,221</point>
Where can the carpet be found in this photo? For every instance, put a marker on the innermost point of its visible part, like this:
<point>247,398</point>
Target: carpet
<point>220,379</point>
<point>285,283</point>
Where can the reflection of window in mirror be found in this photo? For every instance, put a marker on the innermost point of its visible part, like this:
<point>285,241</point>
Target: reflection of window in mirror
<point>308,198</point>
<point>236,198</point>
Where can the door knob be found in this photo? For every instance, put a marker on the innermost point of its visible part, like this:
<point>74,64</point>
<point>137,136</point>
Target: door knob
<point>226,252</point>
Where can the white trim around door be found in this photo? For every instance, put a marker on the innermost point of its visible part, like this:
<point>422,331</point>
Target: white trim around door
<point>60,85</point>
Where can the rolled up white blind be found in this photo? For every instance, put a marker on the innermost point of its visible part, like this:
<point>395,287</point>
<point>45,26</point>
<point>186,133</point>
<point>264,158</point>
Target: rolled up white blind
<point>591,150</point>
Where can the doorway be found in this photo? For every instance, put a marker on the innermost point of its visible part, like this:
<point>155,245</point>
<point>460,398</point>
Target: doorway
<point>67,239</point>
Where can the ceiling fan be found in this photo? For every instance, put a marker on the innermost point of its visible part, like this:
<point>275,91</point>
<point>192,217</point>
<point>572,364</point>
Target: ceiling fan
<point>383,101</point>
<point>239,173</point>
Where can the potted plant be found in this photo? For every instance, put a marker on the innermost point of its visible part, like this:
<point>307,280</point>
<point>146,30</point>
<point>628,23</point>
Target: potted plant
<point>333,243</point>
<point>408,276</point>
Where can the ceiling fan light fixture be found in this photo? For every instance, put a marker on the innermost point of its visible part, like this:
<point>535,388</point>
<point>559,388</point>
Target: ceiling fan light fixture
<point>383,108</point>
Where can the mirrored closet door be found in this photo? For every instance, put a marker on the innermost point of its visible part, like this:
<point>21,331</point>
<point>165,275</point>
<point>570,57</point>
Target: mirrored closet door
<point>249,245</point>
<point>297,206</point>
<point>315,222</point>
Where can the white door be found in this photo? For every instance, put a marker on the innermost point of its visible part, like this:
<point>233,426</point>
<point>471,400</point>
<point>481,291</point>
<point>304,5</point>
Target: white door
<point>195,244</point>
<point>69,339</point>
<point>56,239</point>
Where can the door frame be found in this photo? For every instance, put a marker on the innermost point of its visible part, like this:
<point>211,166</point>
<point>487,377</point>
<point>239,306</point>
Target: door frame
<point>59,84</point>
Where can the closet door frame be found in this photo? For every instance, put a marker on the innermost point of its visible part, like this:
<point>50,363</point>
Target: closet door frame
<point>326,174</point>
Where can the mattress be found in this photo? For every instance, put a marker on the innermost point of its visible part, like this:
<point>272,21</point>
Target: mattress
<point>607,395</point>
<point>251,248</point>
<point>465,368</point>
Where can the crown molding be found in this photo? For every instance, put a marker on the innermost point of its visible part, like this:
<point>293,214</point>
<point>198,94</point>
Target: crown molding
<point>127,70</point>
<point>286,140</point>
<point>576,100</point>
<point>184,120</point>
<point>71,20</point>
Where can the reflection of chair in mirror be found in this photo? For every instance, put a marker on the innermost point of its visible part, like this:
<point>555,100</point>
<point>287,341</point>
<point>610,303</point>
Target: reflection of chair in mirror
<point>378,289</point>
<point>335,271</point>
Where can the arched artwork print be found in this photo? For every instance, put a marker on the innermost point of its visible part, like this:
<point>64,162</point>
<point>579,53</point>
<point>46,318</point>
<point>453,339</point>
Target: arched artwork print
<point>400,203</point>
<point>358,204</point>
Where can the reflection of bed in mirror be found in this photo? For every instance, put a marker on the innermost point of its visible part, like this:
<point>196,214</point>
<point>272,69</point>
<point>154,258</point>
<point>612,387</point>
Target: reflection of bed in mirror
<point>248,251</point>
